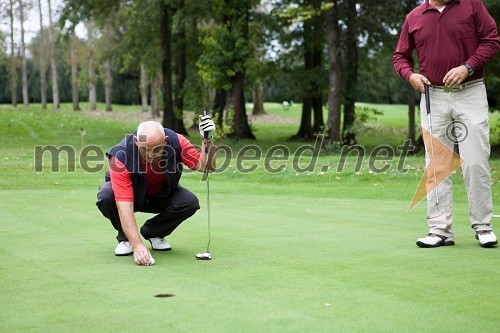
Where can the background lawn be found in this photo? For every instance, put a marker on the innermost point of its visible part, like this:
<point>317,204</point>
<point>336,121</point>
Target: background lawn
<point>319,251</point>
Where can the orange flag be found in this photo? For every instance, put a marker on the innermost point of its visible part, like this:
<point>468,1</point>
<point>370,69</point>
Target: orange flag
<point>445,161</point>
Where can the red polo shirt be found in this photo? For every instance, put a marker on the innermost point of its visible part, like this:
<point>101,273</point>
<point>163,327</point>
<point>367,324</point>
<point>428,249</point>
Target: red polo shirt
<point>463,32</point>
<point>121,178</point>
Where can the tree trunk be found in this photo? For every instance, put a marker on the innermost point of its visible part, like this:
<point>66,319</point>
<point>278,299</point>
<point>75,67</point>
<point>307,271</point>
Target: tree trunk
<point>258,99</point>
<point>305,129</point>
<point>317,50</point>
<point>318,123</point>
<point>13,66</point>
<point>166,43</point>
<point>26,102</point>
<point>218,108</point>
<point>91,78</point>
<point>351,84</point>
<point>334,80</point>
<point>74,73</point>
<point>180,39</point>
<point>53,63</point>
<point>241,128</point>
<point>317,100</point>
<point>108,84</point>
<point>143,87</point>
<point>154,96</point>
<point>43,79</point>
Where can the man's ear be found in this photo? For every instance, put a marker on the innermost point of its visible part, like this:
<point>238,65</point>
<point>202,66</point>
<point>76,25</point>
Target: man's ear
<point>166,138</point>
<point>136,141</point>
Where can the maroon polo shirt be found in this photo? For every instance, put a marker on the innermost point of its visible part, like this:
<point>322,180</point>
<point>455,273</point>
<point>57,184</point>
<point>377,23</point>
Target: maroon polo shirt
<point>463,32</point>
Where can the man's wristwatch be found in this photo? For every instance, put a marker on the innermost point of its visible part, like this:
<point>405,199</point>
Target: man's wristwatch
<point>471,71</point>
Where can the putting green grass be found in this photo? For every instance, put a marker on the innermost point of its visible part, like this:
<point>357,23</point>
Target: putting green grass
<point>292,252</point>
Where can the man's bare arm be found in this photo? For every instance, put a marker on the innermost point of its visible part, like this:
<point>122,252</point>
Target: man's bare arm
<point>203,158</point>
<point>126,212</point>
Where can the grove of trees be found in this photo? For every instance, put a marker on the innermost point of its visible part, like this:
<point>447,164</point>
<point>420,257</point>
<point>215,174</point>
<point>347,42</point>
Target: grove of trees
<point>171,56</point>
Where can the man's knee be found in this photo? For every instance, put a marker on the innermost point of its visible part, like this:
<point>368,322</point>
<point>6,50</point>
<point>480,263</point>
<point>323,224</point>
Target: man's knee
<point>194,205</point>
<point>185,200</point>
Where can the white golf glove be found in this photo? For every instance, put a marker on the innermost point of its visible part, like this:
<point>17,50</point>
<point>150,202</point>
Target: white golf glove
<point>206,125</point>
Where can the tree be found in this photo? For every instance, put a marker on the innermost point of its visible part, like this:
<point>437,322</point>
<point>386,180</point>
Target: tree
<point>107,43</point>
<point>411,93</point>
<point>260,68</point>
<point>13,60</point>
<point>155,112</point>
<point>91,68</point>
<point>239,26</point>
<point>26,102</point>
<point>258,99</point>
<point>107,84</point>
<point>53,61</point>
<point>74,72</point>
<point>305,129</point>
<point>166,44</point>
<point>144,88</point>
<point>302,33</point>
<point>334,71</point>
<point>223,63</point>
<point>43,80</point>
<point>351,70</point>
<point>180,66</point>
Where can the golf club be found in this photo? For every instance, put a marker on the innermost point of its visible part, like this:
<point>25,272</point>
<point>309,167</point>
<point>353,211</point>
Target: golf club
<point>206,255</point>
<point>428,107</point>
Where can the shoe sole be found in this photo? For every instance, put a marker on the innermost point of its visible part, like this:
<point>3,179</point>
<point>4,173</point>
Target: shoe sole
<point>163,250</point>
<point>124,255</point>
<point>487,245</point>
<point>443,243</point>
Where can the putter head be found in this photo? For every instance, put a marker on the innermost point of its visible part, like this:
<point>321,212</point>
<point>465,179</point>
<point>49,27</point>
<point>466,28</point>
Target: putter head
<point>204,256</point>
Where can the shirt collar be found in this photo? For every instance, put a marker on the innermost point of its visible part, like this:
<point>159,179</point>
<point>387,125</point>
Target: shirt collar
<point>427,6</point>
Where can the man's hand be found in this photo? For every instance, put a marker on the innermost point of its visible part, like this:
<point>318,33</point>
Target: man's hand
<point>142,256</point>
<point>456,76</point>
<point>206,125</point>
<point>417,81</point>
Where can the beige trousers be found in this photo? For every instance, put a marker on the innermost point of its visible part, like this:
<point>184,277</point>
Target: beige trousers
<point>459,116</point>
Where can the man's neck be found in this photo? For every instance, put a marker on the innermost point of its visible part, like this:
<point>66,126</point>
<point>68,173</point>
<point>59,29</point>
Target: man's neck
<point>439,3</point>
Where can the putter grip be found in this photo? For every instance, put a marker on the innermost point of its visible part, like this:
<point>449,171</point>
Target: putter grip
<point>427,98</point>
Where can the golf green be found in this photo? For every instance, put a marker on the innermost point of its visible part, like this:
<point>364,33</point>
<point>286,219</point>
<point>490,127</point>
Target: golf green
<point>281,263</point>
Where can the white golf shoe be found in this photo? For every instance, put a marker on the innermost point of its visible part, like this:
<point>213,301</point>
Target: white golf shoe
<point>123,249</point>
<point>433,240</point>
<point>159,244</point>
<point>486,238</point>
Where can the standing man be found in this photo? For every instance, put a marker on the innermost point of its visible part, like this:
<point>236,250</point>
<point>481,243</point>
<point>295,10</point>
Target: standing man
<point>145,169</point>
<point>453,39</point>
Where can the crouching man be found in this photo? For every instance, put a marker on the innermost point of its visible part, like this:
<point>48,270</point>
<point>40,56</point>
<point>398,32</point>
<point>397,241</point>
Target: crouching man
<point>145,169</point>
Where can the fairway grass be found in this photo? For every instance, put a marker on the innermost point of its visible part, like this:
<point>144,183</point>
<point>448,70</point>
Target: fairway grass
<point>292,252</point>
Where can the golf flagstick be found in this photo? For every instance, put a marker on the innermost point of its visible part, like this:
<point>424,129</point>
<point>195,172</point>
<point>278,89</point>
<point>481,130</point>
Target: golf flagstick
<point>204,177</point>
<point>428,107</point>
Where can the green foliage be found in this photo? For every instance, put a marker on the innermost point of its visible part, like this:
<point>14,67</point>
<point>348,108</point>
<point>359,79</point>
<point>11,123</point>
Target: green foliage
<point>227,127</point>
<point>225,54</point>
<point>141,36</point>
